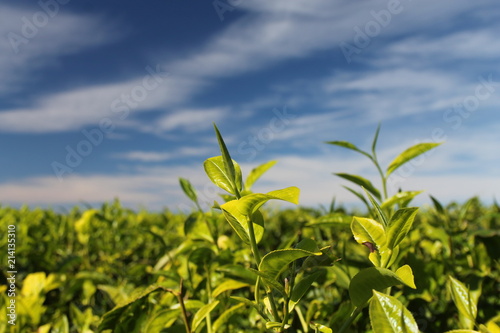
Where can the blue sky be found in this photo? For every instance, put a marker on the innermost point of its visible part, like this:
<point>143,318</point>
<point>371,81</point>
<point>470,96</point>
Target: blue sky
<point>117,98</point>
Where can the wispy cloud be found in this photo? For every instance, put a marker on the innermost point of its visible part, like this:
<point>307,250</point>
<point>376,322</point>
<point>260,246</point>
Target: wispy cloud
<point>27,46</point>
<point>159,156</point>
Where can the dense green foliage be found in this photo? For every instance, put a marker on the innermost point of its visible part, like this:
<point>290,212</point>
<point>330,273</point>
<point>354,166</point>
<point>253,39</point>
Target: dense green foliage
<point>84,264</point>
<point>240,267</point>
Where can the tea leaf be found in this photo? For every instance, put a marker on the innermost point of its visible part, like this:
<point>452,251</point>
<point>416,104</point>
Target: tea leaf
<point>229,165</point>
<point>408,155</point>
<point>406,275</point>
<point>400,198</point>
<point>119,319</point>
<point>202,313</point>
<point>399,225</point>
<point>277,261</point>
<point>300,289</point>
<point>256,173</point>
<point>228,285</point>
<point>188,189</point>
<point>378,209</point>
<point>350,146</point>
<point>464,302</point>
<point>373,278</point>
<point>225,316</point>
<point>363,182</point>
<point>216,171</point>
<point>375,139</point>
<point>387,315</point>
<point>366,230</point>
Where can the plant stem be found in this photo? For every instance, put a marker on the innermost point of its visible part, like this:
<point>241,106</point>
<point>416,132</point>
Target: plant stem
<point>258,258</point>
<point>209,292</point>
<point>183,309</point>
<point>382,176</point>
<point>349,321</point>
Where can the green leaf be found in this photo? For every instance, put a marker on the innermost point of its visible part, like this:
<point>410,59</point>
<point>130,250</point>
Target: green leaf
<point>374,278</point>
<point>437,205</point>
<point>238,212</point>
<point>366,230</point>
<point>375,139</point>
<point>350,146</point>
<point>216,170</point>
<point>250,203</point>
<point>270,281</point>
<point>238,271</point>
<point>399,226</point>
<point>462,331</point>
<point>400,198</point>
<point>228,285</point>
<point>378,209</point>
<point>229,165</point>
<point>225,316</point>
<point>359,195</point>
<point>300,289</point>
<point>238,224</point>
<point>119,318</point>
<point>256,173</point>
<point>200,315</point>
<point>363,182</point>
<point>307,244</point>
<point>239,221</point>
<point>387,314</point>
<point>408,155</point>
<point>277,261</point>
<point>188,189</point>
<point>406,275</point>
<point>250,303</point>
<point>464,302</point>
<point>321,328</point>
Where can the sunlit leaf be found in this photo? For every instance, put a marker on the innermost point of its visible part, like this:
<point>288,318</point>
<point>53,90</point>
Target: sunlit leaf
<point>216,171</point>
<point>203,312</point>
<point>389,315</point>
<point>366,230</point>
<point>464,302</point>
<point>399,226</point>
<point>230,166</point>
<point>228,285</point>
<point>256,173</point>
<point>400,198</point>
<point>408,155</point>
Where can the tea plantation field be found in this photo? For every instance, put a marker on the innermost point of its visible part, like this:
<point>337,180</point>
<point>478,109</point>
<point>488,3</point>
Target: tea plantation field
<point>240,266</point>
<point>112,268</point>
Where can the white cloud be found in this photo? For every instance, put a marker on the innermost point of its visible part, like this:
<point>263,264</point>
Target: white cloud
<point>158,156</point>
<point>29,42</point>
<point>190,120</point>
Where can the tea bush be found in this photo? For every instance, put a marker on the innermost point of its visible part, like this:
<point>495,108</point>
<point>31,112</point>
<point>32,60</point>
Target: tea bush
<point>242,267</point>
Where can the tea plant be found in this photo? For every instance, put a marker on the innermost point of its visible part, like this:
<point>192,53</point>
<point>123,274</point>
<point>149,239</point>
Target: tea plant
<point>243,267</point>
